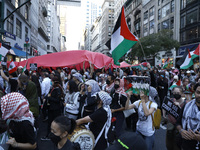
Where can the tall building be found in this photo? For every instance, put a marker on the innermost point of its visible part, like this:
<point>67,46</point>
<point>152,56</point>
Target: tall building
<point>118,6</point>
<point>53,28</point>
<point>17,27</point>
<point>189,25</point>
<point>42,26</point>
<point>95,30</point>
<point>34,10</point>
<point>146,17</point>
<point>108,11</point>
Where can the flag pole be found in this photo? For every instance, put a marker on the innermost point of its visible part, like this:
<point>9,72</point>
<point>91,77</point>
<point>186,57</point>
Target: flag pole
<point>199,55</point>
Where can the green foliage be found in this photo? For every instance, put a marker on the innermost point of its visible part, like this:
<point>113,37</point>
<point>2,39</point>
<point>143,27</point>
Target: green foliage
<point>154,43</point>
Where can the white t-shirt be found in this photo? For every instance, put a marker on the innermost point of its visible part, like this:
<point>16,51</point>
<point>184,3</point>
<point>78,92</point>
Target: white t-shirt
<point>144,124</point>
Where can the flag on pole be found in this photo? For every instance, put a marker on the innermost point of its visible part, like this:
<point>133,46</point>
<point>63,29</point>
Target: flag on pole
<point>12,68</point>
<point>166,63</point>
<point>178,83</point>
<point>122,40</point>
<point>3,51</point>
<point>24,69</point>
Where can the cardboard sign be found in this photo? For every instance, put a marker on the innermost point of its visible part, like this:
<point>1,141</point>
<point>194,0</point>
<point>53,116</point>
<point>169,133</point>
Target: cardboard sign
<point>33,67</point>
<point>171,108</point>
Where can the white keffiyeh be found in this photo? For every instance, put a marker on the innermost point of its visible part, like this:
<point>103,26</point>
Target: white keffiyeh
<point>191,116</point>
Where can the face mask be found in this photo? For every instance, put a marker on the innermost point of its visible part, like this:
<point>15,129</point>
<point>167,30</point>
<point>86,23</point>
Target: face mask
<point>177,96</point>
<point>116,86</point>
<point>55,139</point>
<point>100,80</point>
<point>107,81</point>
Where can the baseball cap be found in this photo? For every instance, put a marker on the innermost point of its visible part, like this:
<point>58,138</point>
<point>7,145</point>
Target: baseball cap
<point>188,71</point>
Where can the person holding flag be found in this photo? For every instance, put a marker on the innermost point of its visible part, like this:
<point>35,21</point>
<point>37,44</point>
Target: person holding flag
<point>12,79</point>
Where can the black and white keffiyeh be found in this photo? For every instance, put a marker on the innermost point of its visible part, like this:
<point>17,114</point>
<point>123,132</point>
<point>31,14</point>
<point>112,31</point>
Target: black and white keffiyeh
<point>191,116</point>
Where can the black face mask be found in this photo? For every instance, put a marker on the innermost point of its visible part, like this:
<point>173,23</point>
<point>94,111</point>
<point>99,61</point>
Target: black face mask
<point>55,139</point>
<point>177,96</point>
<point>116,86</point>
<point>107,81</point>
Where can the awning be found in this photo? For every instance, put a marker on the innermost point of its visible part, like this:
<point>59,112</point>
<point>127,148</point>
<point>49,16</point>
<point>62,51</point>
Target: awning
<point>12,52</point>
<point>19,52</point>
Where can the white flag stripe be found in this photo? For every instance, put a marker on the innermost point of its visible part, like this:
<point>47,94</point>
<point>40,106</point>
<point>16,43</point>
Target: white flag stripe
<point>116,39</point>
<point>3,51</point>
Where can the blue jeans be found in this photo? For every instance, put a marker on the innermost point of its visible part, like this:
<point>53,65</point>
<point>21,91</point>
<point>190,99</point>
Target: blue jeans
<point>149,140</point>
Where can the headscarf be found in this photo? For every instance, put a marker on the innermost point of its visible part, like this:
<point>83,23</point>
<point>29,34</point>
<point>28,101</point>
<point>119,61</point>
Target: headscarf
<point>95,86</point>
<point>78,76</point>
<point>15,106</point>
<point>109,87</point>
<point>121,73</point>
<point>106,99</point>
<point>121,90</point>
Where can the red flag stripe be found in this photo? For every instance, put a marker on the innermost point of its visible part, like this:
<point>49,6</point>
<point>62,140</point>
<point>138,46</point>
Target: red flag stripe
<point>189,55</point>
<point>125,32</point>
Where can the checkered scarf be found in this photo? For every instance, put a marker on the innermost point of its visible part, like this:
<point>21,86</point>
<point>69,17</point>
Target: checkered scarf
<point>15,106</point>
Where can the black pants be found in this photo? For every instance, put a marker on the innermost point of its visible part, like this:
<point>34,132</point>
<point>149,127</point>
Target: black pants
<point>189,144</point>
<point>52,114</point>
<point>119,122</point>
<point>131,121</point>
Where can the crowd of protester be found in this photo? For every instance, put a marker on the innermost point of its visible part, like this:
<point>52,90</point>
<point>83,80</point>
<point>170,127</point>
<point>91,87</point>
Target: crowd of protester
<point>66,98</point>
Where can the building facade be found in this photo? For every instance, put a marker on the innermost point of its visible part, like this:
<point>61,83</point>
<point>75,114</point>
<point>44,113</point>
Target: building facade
<point>96,45</point>
<point>17,27</point>
<point>118,6</point>
<point>189,25</point>
<point>53,28</point>
<point>108,12</point>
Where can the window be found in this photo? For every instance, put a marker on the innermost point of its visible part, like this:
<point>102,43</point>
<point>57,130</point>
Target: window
<point>137,16</point>
<point>165,10</point>
<point>191,17</point>
<point>10,22</point>
<point>172,23</point>
<point>172,6</point>
<point>191,34</point>
<point>151,11</point>
<point>189,1</point>
<point>145,28</point>
<point>87,5</point>
<point>158,27</point>
<point>137,26</point>
<point>109,28</point>
<point>151,24</point>
<point>109,33</point>
<point>109,15</point>
<point>129,23</point>
<point>26,32</point>
<point>18,29</point>
<point>159,2</point>
<point>165,24</point>
<point>146,15</point>
<point>183,4</point>
<point>182,36</point>
<point>17,3</point>
<point>182,21</point>
<point>159,14</point>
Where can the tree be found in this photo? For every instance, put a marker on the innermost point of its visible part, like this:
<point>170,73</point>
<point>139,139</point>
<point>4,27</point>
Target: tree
<point>154,43</point>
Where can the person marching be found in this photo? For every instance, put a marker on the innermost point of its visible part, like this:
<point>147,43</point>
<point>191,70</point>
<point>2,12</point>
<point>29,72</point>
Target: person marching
<point>100,120</point>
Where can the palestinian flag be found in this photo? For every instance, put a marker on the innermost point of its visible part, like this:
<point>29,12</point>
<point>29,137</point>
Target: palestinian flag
<point>24,68</point>
<point>122,40</point>
<point>12,68</point>
<point>175,85</point>
<point>166,63</point>
<point>185,62</point>
<point>3,51</point>
<point>196,52</point>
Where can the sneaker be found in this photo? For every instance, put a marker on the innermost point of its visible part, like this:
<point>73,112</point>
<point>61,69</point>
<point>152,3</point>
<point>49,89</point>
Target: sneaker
<point>45,138</point>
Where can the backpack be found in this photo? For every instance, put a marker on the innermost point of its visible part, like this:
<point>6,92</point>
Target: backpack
<point>156,119</point>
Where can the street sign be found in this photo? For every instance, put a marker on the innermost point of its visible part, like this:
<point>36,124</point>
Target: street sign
<point>33,67</point>
<point>27,40</point>
<point>26,45</point>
